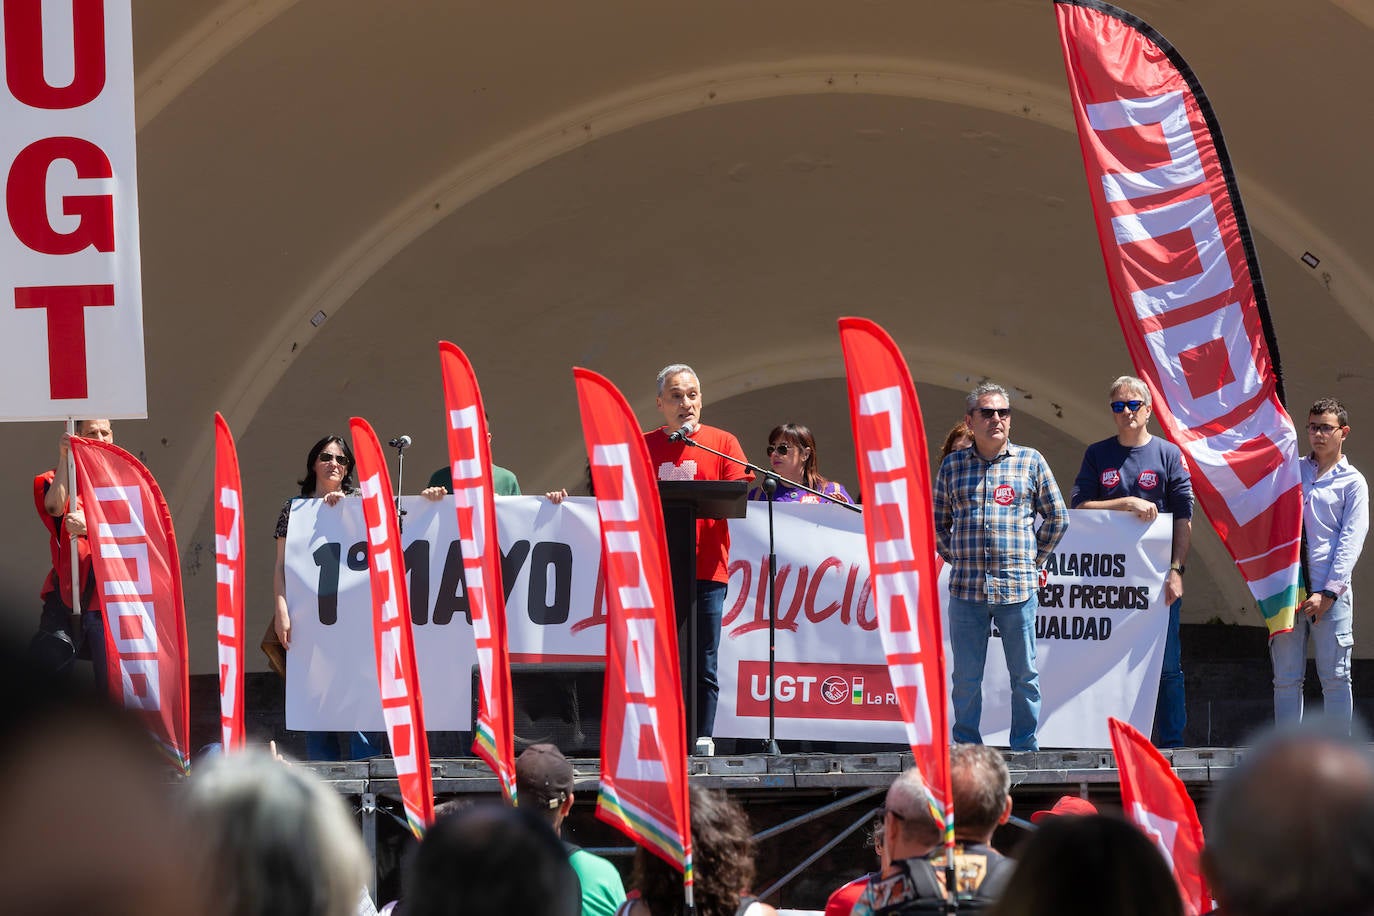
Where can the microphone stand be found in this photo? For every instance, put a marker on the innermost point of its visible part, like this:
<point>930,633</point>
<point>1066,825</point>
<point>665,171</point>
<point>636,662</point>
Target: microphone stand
<point>400,447</point>
<point>770,481</point>
<point>770,487</point>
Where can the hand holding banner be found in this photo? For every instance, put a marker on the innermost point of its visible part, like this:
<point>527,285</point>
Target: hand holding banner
<point>643,736</point>
<point>138,571</point>
<point>402,705</point>
<point>473,495</point>
<point>889,439</point>
<point>229,583</point>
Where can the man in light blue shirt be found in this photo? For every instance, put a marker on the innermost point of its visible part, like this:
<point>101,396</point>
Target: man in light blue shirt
<point>1335,519</point>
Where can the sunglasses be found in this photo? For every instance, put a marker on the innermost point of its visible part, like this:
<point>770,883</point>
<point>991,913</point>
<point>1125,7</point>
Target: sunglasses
<point>329,458</point>
<point>779,449</point>
<point>994,413</point>
<point>1132,406</point>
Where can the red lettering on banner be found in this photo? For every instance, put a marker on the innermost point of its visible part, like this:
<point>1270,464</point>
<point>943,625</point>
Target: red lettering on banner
<point>66,307</point>
<point>26,197</point>
<point>24,59</point>
<point>812,613</point>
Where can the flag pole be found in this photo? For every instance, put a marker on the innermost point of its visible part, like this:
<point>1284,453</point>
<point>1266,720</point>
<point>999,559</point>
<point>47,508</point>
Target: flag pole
<point>71,505</point>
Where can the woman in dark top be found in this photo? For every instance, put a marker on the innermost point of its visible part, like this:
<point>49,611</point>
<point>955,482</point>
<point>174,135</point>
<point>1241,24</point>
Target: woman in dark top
<point>328,476</point>
<point>792,453</point>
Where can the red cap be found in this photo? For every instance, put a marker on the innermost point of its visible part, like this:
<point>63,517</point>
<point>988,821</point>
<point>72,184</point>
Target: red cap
<point>1068,806</point>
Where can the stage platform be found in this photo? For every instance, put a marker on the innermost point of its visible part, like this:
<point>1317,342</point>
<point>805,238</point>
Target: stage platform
<point>811,812</point>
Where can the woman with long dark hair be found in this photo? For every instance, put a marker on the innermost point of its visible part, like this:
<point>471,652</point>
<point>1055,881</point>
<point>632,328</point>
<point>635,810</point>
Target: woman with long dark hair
<point>792,453</point>
<point>328,476</point>
<point>722,860</point>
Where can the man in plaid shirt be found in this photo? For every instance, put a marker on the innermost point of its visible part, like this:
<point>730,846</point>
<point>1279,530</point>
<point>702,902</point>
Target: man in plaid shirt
<point>986,501</point>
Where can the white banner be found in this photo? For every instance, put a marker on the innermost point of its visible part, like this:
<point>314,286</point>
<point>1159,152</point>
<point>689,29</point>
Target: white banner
<point>71,303</point>
<point>1100,648</point>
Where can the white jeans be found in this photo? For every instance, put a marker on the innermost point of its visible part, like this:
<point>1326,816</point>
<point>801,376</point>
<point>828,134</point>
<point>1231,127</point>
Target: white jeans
<point>1332,640</point>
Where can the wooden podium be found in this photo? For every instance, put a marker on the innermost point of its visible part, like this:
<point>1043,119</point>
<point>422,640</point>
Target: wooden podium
<point>684,502</point>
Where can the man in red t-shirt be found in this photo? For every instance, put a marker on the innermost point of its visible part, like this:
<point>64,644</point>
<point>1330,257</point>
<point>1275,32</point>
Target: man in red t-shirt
<point>53,645</point>
<point>679,401</point>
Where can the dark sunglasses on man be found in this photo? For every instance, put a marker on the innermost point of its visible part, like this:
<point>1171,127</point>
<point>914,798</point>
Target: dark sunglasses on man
<point>1132,406</point>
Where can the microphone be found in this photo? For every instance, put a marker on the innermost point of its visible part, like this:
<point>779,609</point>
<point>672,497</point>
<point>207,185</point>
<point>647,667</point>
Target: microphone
<point>400,442</point>
<point>683,432</point>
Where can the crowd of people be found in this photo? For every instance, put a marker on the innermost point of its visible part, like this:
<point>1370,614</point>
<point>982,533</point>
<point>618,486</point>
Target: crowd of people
<point>1289,830</point>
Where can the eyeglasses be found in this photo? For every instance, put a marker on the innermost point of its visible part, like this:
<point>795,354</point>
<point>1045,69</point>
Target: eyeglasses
<point>994,413</point>
<point>1324,429</point>
<point>780,449</point>
<point>1132,406</point>
<point>330,458</point>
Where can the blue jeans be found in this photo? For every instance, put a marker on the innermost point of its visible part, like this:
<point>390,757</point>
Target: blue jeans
<point>710,608</point>
<point>969,631</point>
<point>1171,710</point>
<point>1333,638</point>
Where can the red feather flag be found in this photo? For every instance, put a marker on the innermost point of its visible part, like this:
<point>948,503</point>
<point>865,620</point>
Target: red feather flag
<point>397,675</point>
<point>229,579</point>
<point>138,571</point>
<point>894,477</point>
<point>1155,800</point>
<point>474,499</point>
<point>1185,281</point>
<point>643,733</point>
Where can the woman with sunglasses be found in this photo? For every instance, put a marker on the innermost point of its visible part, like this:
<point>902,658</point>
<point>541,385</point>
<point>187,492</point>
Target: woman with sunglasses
<point>328,476</point>
<point>792,454</point>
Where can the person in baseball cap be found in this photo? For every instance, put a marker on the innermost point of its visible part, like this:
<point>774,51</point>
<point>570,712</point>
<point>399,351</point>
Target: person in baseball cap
<point>543,778</point>
<point>1067,806</point>
<point>544,784</point>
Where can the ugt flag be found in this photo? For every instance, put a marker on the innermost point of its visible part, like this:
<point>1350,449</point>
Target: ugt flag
<point>894,477</point>
<point>1155,800</point>
<point>1186,285</point>
<point>474,499</point>
<point>393,645</point>
<point>644,732</point>
<point>229,577</point>
<point>138,571</point>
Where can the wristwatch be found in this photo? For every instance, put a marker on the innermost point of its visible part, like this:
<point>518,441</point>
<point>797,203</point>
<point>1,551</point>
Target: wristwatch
<point>1176,567</point>
<point>1328,593</point>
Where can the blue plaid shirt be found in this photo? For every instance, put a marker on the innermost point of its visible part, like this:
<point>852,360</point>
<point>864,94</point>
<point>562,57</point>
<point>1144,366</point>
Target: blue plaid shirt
<point>985,522</point>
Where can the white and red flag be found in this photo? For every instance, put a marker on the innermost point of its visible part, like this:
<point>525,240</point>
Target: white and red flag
<point>474,499</point>
<point>643,731</point>
<point>138,571</point>
<point>399,679</point>
<point>1185,281</point>
<point>1155,800</point>
<point>894,478</point>
<point>229,578</point>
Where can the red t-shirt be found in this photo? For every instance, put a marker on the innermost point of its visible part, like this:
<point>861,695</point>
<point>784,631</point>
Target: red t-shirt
<point>841,902</point>
<point>678,461</point>
<point>59,546</point>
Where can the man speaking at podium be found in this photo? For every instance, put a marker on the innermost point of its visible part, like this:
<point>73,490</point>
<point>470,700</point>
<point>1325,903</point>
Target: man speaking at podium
<point>679,400</point>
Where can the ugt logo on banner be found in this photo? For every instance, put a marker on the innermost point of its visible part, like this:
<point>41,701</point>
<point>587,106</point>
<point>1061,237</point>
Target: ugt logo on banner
<point>69,253</point>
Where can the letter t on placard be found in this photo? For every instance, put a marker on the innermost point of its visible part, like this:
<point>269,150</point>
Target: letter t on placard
<point>66,306</point>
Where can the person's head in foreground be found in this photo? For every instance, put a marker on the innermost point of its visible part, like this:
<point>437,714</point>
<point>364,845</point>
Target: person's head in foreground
<point>1090,866</point>
<point>492,860</point>
<point>273,839</point>
<point>1291,829</point>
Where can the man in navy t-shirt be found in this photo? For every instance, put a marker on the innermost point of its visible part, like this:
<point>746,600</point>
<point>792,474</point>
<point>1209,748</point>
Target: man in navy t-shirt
<point>1136,472</point>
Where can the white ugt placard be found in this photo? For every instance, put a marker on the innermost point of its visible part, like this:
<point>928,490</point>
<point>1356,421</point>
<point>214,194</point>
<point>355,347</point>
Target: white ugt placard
<point>71,301</point>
